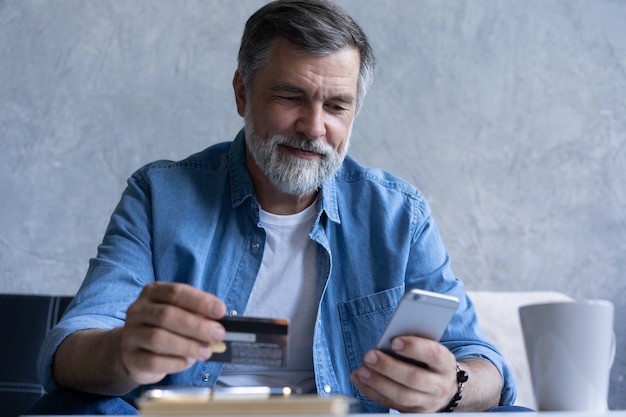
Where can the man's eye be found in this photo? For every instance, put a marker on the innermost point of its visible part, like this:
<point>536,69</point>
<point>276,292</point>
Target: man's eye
<point>336,108</point>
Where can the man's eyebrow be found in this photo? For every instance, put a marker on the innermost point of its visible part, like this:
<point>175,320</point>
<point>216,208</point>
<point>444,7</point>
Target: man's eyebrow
<point>344,98</point>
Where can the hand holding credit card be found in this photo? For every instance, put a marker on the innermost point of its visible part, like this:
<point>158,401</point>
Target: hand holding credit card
<point>253,341</point>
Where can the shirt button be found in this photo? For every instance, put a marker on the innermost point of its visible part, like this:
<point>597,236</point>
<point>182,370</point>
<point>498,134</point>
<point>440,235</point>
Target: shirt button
<point>233,313</point>
<point>206,377</point>
<point>255,246</point>
<point>327,389</point>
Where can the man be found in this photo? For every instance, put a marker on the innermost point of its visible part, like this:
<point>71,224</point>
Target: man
<point>281,223</point>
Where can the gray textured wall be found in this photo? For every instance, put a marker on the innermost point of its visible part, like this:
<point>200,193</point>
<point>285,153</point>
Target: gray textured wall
<point>509,115</point>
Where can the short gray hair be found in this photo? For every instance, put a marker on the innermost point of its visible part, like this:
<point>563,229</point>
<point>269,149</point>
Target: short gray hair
<point>317,27</point>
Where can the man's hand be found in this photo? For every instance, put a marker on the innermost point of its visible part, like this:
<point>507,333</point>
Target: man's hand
<point>404,386</point>
<point>408,387</point>
<point>167,329</point>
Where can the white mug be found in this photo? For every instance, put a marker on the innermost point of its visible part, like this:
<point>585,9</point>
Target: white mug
<point>570,347</point>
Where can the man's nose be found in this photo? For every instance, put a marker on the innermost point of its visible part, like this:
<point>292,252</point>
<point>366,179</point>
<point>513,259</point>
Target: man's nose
<point>311,122</point>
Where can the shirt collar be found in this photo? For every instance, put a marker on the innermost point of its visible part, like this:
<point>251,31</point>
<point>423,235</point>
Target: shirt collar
<point>240,181</point>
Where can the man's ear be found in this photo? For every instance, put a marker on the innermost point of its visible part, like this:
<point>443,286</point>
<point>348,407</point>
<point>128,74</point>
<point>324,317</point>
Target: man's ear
<point>240,93</point>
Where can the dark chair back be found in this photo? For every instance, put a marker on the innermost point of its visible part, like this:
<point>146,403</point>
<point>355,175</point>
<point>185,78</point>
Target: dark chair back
<point>24,322</point>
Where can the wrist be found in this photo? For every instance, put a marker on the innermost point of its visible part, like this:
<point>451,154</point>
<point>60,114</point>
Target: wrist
<point>461,378</point>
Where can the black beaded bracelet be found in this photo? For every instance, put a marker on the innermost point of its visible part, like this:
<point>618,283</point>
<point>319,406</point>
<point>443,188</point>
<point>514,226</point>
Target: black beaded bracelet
<point>461,378</point>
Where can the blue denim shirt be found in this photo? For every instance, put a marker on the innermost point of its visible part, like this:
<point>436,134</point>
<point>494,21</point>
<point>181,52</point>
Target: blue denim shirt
<point>197,221</point>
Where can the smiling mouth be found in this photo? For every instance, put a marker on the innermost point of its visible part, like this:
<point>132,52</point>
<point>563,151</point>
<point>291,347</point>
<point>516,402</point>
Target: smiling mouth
<point>301,153</point>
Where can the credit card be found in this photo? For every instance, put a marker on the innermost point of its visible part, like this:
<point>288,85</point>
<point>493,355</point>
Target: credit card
<point>253,341</point>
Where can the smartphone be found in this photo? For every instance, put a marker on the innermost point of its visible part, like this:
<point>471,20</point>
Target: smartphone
<point>419,313</point>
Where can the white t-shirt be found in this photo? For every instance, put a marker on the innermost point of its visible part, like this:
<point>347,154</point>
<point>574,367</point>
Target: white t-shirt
<point>285,287</point>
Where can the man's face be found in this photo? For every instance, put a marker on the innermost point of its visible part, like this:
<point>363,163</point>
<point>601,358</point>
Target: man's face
<point>298,115</point>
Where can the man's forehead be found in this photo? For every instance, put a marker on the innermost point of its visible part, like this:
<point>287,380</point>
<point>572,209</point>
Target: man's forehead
<point>289,62</point>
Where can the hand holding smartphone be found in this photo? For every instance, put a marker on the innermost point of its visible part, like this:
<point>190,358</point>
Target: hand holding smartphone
<point>419,313</point>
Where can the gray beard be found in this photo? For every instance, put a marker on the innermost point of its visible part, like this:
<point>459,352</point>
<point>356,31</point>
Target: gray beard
<point>289,174</point>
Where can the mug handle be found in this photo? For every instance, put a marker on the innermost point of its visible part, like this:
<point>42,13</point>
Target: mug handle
<point>613,348</point>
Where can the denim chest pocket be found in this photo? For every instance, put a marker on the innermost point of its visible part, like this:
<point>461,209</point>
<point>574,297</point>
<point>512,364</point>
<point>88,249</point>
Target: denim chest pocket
<point>363,320</point>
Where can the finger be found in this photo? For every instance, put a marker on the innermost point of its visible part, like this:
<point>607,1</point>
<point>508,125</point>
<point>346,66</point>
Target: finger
<point>176,320</point>
<point>438,378</point>
<point>161,342</point>
<point>185,296</point>
<point>436,356</point>
<point>405,374</point>
<point>390,394</point>
<point>145,367</point>
<point>150,364</point>
<point>362,380</point>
